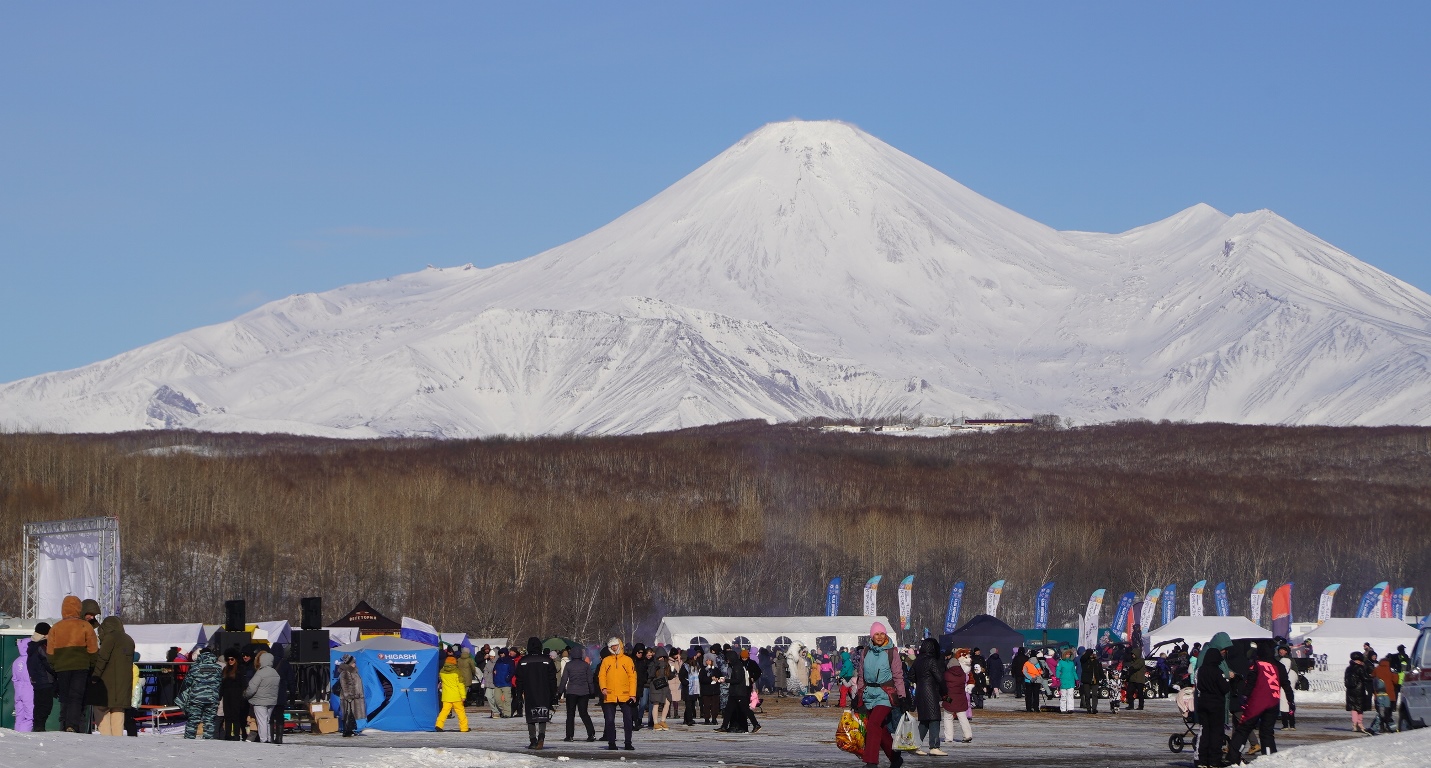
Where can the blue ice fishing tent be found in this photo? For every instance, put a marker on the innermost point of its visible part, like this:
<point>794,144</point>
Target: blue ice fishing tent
<point>400,687</point>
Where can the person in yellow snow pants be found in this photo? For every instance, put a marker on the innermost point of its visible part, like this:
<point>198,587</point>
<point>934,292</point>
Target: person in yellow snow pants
<point>453,695</point>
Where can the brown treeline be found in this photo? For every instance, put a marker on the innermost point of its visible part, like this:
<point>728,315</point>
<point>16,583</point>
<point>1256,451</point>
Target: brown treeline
<point>587,537</point>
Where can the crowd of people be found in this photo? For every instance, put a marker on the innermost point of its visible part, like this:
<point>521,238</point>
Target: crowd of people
<point>1372,685</point>
<point>85,664</point>
<point>1236,692</point>
<point>91,669</point>
<point>638,686</point>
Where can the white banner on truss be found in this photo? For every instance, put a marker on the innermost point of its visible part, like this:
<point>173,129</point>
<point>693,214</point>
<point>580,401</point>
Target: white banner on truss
<point>68,564</point>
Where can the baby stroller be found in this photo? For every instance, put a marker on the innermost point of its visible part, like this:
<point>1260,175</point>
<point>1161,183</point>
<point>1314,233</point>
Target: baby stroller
<point>1188,738</point>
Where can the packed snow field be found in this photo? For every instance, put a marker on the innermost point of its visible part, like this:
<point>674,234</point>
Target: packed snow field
<point>791,737</point>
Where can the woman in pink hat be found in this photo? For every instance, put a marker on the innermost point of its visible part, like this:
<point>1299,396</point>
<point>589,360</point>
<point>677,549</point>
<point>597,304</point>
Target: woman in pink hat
<point>879,686</point>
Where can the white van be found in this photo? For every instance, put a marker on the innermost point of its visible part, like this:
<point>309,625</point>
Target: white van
<point>1416,692</point>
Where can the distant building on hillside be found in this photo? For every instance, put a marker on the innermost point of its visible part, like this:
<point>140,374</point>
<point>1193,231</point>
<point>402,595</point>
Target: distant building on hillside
<point>995,422</point>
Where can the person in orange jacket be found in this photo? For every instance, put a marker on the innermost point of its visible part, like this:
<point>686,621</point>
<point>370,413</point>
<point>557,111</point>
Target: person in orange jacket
<point>1033,672</point>
<point>617,679</point>
<point>73,647</point>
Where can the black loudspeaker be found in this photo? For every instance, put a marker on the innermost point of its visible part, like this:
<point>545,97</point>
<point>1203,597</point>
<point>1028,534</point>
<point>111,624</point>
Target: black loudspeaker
<point>234,616</point>
<point>224,641</point>
<point>309,646</point>
<point>312,613</point>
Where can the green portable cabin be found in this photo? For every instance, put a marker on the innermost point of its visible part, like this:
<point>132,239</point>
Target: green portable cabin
<point>10,637</point>
<point>1056,638</point>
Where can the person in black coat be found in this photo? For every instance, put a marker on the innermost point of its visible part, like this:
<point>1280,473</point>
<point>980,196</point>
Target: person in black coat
<point>42,677</point>
<point>231,689</point>
<point>536,675</point>
<point>246,670</point>
<point>929,692</point>
<point>1211,707</point>
<point>285,677</point>
<point>752,673</point>
<point>737,702</point>
<point>1357,679</point>
<point>1091,679</point>
<point>1016,666</point>
<point>710,689</point>
<point>996,673</point>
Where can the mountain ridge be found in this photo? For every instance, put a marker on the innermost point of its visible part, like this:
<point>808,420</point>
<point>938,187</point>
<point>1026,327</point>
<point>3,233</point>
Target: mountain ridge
<point>808,270</point>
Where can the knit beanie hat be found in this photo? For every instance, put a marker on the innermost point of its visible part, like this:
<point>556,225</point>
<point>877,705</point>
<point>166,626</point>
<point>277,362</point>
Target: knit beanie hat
<point>451,660</point>
<point>877,628</point>
<point>41,630</point>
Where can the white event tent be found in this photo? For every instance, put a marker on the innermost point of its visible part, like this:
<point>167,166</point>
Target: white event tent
<point>342,635</point>
<point>153,641</point>
<point>1337,638</point>
<point>1200,629</point>
<point>762,631</point>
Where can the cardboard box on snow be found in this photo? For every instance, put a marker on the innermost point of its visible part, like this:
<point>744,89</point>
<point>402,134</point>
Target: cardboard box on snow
<point>314,709</point>
<point>325,723</point>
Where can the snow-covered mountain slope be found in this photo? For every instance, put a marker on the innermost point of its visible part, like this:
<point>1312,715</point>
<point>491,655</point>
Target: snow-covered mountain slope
<point>810,269</point>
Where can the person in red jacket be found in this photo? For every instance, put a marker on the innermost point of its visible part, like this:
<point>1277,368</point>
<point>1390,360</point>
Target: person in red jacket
<point>1264,694</point>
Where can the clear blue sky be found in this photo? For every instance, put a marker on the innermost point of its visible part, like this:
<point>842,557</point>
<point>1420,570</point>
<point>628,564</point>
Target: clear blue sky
<point>170,165</point>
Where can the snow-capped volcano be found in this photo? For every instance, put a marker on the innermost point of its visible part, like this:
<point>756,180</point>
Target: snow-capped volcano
<point>810,269</point>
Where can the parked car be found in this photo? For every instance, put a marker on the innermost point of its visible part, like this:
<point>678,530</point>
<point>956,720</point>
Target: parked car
<point>1415,707</point>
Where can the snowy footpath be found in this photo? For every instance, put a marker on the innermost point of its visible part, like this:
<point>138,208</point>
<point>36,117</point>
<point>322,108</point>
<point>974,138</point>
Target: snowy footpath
<point>173,751</point>
<point>791,738</point>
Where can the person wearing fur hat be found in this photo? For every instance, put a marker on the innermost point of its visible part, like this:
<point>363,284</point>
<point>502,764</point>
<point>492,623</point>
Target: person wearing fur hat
<point>958,684</point>
<point>879,686</point>
<point>709,681</point>
<point>1357,680</point>
<point>350,694</point>
<point>453,694</point>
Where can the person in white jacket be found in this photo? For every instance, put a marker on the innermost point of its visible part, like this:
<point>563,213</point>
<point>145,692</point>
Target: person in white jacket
<point>262,693</point>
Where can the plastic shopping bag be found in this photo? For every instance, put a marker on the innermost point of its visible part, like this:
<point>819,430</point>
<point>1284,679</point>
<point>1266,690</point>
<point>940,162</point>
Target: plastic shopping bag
<point>906,738</point>
<point>850,733</point>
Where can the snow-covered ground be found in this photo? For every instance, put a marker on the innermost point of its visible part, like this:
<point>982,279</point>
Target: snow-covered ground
<point>1396,750</point>
<point>64,749</point>
<point>791,738</point>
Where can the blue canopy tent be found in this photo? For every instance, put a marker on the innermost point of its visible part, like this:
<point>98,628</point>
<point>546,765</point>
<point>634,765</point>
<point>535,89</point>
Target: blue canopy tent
<point>400,687</point>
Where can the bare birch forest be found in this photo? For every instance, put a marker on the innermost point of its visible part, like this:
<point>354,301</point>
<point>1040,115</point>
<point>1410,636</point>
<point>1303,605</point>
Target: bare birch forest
<point>586,537</point>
